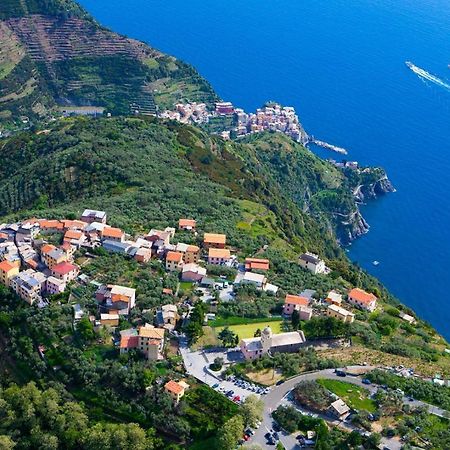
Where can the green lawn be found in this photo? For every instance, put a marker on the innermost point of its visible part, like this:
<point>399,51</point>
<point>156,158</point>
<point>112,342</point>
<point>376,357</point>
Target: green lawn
<point>245,331</point>
<point>186,286</point>
<point>355,396</point>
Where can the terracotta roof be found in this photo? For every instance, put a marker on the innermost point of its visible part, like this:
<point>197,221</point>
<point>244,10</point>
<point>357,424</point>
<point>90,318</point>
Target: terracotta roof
<point>192,248</point>
<point>257,264</point>
<point>174,256</point>
<point>186,223</point>
<point>361,296</point>
<point>50,224</point>
<point>219,253</point>
<point>151,332</point>
<point>6,266</point>
<point>73,234</point>
<point>32,263</point>
<point>174,387</point>
<point>213,238</point>
<point>47,248</point>
<point>112,232</point>
<point>77,224</point>
<point>64,268</point>
<point>296,300</point>
<point>129,342</point>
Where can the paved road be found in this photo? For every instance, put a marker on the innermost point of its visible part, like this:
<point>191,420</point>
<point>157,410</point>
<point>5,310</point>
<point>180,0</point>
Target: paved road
<point>197,364</point>
<point>278,395</point>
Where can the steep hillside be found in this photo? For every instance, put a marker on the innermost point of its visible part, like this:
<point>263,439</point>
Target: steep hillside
<point>53,54</point>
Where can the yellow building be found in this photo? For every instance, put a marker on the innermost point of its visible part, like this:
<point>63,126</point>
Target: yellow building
<point>8,270</point>
<point>340,314</point>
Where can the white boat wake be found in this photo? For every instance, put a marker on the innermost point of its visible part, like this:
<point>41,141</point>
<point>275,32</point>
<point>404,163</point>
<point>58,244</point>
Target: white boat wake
<point>424,75</point>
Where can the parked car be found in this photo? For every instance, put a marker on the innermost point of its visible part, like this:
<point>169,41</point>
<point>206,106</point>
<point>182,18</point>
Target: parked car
<point>279,382</point>
<point>366,381</point>
<point>340,373</point>
<point>215,386</point>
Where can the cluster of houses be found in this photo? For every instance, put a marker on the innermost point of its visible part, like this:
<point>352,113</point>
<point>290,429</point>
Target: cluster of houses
<point>257,347</point>
<point>271,117</point>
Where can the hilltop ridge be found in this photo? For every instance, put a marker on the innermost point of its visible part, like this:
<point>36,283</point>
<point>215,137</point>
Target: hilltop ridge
<point>53,55</point>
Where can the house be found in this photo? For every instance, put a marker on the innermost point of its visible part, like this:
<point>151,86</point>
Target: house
<point>109,319</point>
<point>305,312</point>
<point>51,226</point>
<point>128,342</point>
<point>257,347</point>
<point>28,285</point>
<point>340,313</point>
<point>91,215</point>
<point>167,317</point>
<point>312,262</point>
<point>256,279</point>
<point>115,246</point>
<point>193,272</point>
<point>157,235</point>
<point>176,389</point>
<point>213,240</point>
<point>334,298</point>
<point>113,234</point>
<point>74,237</point>
<point>407,318</point>
<point>218,256</point>
<point>52,255</point>
<point>114,297</point>
<point>78,312</point>
<point>8,270</point>
<point>55,285</point>
<point>151,341</point>
<point>68,250</point>
<point>294,302</point>
<point>362,299</point>
<point>192,254</point>
<point>65,271</point>
<point>30,229</point>
<point>256,264</point>
<point>187,224</point>
<point>73,224</point>
<point>339,409</point>
<point>174,261</point>
<point>143,255</point>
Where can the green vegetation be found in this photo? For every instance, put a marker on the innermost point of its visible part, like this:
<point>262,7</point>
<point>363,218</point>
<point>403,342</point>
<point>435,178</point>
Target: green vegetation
<point>355,396</point>
<point>414,387</point>
<point>248,330</point>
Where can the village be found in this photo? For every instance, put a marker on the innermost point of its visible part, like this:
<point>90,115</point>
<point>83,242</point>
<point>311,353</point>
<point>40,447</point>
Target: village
<point>271,117</point>
<point>38,262</point>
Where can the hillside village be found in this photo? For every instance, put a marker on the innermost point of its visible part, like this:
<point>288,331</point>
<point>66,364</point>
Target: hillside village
<point>37,262</point>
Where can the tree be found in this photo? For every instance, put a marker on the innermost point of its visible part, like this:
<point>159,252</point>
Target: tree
<point>295,318</point>
<point>6,443</point>
<point>86,329</point>
<point>252,410</point>
<point>230,433</point>
<point>373,441</point>
<point>217,364</point>
<point>228,337</point>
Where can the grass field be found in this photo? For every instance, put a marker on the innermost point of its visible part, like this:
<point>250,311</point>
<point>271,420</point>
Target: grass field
<point>355,396</point>
<point>248,330</point>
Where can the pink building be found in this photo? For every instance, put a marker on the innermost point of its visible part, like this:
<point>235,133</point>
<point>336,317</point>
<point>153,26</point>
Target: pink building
<point>65,271</point>
<point>294,302</point>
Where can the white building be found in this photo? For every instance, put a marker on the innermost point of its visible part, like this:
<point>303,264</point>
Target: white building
<point>312,262</point>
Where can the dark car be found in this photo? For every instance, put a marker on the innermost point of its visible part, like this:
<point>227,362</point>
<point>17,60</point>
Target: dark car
<point>340,373</point>
<point>366,381</point>
<point>279,382</point>
<point>271,441</point>
<point>267,436</point>
<point>276,427</point>
<point>276,436</point>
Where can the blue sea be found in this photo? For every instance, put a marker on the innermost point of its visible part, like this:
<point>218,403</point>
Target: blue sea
<point>341,64</point>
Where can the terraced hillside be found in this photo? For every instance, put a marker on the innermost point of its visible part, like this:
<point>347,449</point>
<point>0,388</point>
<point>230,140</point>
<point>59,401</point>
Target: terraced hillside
<point>53,54</point>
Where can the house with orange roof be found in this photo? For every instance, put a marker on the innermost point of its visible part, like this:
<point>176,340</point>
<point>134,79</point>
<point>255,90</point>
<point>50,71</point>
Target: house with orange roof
<point>68,250</point>
<point>114,297</point>
<point>151,342</point>
<point>174,261</point>
<point>293,303</point>
<point>362,299</point>
<point>218,256</point>
<point>128,342</point>
<point>187,224</point>
<point>214,240</point>
<point>143,254</point>
<point>256,264</point>
<point>8,270</point>
<point>51,225</point>
<point>113,234</point>
<point>65,271</point>
<point>52,255</point>
<point>192,254</point>
<point>74,237</point>
<point>73,225</point>
<point>176,389</point>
